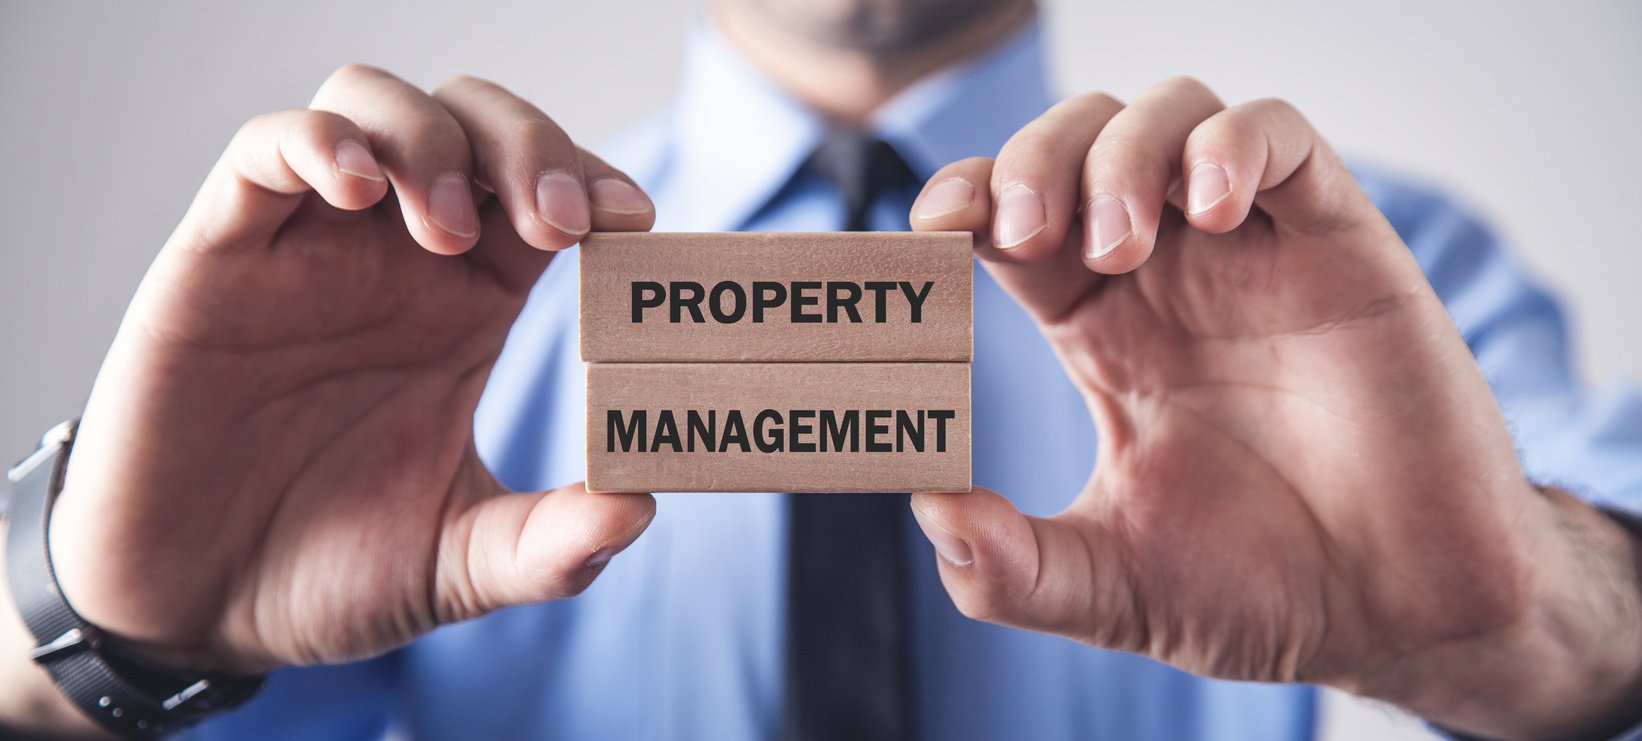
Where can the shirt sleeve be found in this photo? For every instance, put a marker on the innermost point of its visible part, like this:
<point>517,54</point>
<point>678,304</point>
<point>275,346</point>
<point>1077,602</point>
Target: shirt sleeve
<point>1634,733</point>
<point>1585,439</point>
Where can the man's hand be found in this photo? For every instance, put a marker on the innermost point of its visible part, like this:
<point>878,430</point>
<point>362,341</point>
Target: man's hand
<point>1302,475</point>
<point>277,463</point>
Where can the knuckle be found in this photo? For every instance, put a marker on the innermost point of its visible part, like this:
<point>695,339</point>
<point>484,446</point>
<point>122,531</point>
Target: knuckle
<point>539,135</point>
<point>1071,116</point>
<point>342,83</point>
<point>972,169</point>
<point>1273,107</point>
<point>1030,145</point>
<point>428,129</point>
<point>300,123</point>
<point>524,147</point>
<point>1099,101</point>
<point>354,72</point>
<point>1235,125</point>
<point>467,82</point>
<point>314,124</point>
<point>1117,153</point>
<point>260,123</point>
<point>593,167</point>
<point>1184,85</point>
<point>1250,122</point>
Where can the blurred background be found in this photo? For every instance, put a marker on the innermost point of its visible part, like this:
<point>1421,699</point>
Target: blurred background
<point>111,113</point>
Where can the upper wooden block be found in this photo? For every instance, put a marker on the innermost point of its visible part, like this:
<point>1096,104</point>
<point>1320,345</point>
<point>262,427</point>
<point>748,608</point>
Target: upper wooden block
<point>776,297</point>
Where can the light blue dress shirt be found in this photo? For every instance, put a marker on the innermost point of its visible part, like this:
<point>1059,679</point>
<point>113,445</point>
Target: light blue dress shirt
<point>681,638</point>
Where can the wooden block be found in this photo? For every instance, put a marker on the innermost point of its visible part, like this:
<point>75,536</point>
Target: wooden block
<point>727,297</point>
<point>844,427</point>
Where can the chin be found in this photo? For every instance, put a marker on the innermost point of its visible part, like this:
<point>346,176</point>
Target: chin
<point>882,26</point>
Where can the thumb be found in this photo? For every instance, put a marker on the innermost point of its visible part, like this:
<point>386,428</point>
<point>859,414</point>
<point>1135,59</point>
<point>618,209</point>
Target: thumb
<point>1061,575</point>
<point>512,549</point>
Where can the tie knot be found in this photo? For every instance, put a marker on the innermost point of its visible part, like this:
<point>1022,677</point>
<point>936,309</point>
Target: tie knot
<point>863,168</point>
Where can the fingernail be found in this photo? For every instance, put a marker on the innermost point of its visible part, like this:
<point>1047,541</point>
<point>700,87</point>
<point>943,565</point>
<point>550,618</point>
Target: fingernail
<point>1206,188</point>
<point>1108,224</point>
<point>561,202</point>
<point>616,196</point>
<point>601,557</point>
<point>450,205</point>
<point>949,546</point>
<point>947,197</point>
<point>354,159</point>
<point>1020,216</point>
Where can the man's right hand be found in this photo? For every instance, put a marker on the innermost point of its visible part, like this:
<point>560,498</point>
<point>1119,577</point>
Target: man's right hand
<point>277,462</point>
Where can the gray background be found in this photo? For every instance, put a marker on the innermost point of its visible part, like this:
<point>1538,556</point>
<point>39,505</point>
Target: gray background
<point>111,113</point>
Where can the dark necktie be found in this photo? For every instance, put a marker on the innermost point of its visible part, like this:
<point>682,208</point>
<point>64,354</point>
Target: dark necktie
<point>848,667</point>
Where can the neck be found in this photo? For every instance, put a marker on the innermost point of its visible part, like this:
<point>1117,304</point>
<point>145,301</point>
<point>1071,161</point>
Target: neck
<point>846,84</point>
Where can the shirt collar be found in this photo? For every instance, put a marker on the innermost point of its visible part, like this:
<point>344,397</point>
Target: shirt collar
<point>739,138</point>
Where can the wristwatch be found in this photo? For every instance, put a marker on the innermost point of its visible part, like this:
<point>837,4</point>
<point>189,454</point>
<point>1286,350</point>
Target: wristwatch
<point>123,693</point>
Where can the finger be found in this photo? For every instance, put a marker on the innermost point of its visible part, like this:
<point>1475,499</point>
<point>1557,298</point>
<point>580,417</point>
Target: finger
<point>1037,181</point>
<point>1058,575</point>
<point>423,149</point>
<point>958,198</point>
<point>268,167</point>
<point>525,158</point>
<point>619,204</point>
<point>1131,168</point>
<point>1265,152</point>
<point>515,549</point>
<point>514,264</point>
<point>1036,187</point>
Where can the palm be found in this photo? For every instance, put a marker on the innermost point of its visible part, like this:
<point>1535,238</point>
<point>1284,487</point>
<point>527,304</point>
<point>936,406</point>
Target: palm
<point>1253,395</point>
<point>329,375</point>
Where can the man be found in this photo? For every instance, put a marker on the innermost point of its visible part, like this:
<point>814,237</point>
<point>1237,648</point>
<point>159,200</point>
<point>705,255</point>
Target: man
<point>1302,474</point>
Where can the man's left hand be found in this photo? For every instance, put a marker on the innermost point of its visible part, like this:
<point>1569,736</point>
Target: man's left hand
<point>1302,475</point>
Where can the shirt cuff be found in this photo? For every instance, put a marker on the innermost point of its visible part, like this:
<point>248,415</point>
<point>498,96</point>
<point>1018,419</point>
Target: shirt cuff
<point>1634,733</point>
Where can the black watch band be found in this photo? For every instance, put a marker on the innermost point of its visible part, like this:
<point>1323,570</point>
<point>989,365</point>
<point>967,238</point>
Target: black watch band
<point>124,694</point>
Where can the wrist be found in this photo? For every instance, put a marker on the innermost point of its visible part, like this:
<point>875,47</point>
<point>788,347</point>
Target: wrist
<point>121,692</point>
<point>31,706</point>
<point>1570,665</point>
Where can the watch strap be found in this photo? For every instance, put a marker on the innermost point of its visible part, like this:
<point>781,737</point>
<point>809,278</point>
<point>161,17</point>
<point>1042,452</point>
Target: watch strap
<point>122,693</point>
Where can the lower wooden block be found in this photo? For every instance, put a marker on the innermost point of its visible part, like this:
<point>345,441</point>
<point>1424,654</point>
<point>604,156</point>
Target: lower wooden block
<point>799,427</point>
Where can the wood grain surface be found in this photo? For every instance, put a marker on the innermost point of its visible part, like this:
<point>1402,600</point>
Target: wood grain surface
<point>866,288</point>
<point>625,454</point>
